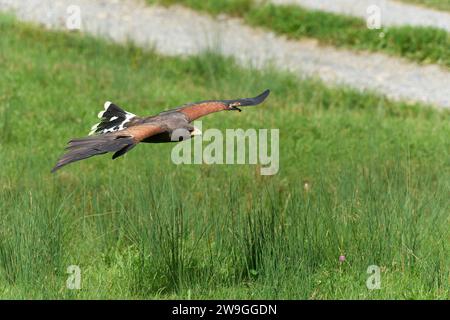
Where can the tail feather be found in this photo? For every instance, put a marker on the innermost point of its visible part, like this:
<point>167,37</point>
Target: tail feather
<point>83,148</point>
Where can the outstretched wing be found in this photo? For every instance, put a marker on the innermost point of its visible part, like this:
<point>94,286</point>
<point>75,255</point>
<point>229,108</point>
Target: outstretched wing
<point>199,109</point>
<point>119,142</point>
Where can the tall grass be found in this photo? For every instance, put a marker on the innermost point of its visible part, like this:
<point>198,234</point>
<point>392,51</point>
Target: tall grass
<point>360,176</point>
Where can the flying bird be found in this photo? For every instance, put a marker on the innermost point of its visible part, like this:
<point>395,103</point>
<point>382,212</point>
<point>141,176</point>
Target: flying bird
<point>120,131</point>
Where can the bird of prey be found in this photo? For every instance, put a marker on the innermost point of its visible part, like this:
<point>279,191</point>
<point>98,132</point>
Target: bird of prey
<point>120,131</point>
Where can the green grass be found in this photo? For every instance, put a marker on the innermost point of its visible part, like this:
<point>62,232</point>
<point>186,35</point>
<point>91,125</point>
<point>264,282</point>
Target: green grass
<point>231,7</point>
<point>435,4</point>
<point>142,227</point>
<point>421,44</point>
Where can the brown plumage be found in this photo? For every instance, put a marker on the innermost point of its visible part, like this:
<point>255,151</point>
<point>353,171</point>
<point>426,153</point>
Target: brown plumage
<point>120,131</point>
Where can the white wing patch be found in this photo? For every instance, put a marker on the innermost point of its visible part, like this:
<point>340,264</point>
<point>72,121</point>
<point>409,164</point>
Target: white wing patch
<point>93,129</point>
<point>113,121</point>
<point>105,106</point>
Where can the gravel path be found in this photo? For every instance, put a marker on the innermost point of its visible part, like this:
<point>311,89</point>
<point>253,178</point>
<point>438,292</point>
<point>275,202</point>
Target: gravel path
<point>392,12</point>
<point>179,31</point>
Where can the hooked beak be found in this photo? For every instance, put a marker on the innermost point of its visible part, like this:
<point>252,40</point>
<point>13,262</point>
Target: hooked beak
<point>196,132</point>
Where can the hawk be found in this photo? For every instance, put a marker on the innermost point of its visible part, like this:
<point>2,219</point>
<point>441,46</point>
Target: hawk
<point>120,131</point>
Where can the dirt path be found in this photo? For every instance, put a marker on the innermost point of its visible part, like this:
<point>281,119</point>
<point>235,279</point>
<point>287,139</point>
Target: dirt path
<point>179,31</point>
<point>392,12</point>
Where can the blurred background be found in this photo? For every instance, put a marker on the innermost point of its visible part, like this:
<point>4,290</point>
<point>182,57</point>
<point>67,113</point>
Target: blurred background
<point>360,94</point>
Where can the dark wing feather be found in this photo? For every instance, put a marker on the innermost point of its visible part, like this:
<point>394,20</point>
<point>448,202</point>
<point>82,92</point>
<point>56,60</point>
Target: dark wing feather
<point>124,150</point>
<point>118,142</point>
<point>79,149</point>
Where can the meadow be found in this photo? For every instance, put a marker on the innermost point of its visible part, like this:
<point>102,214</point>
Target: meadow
<point>360,176</point>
